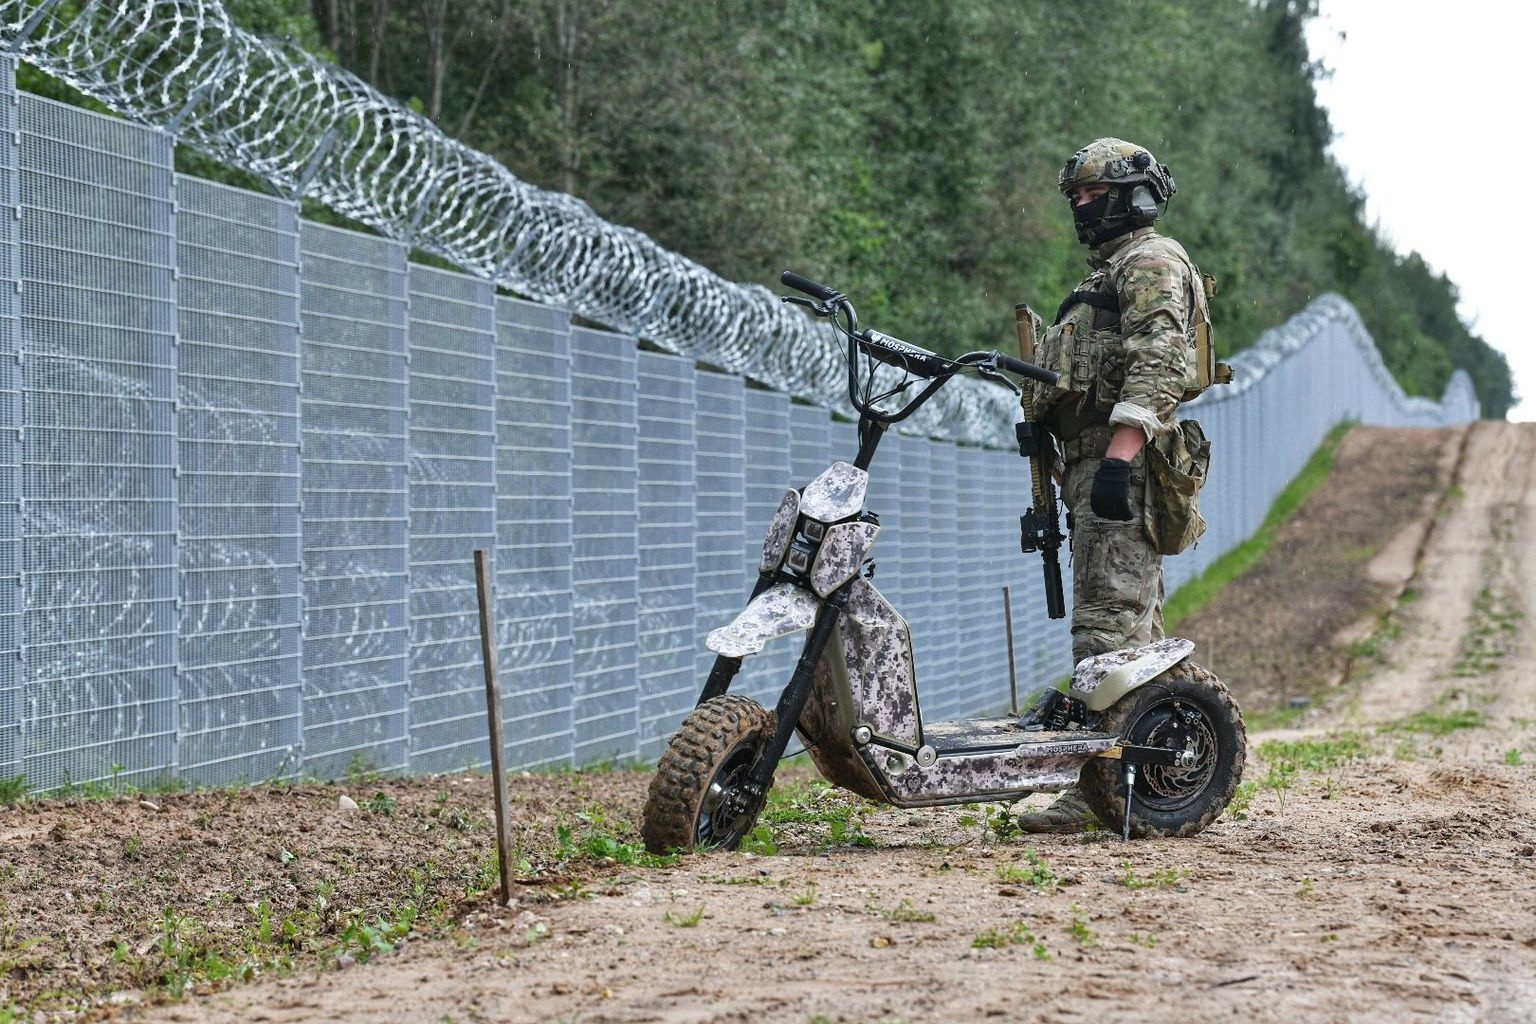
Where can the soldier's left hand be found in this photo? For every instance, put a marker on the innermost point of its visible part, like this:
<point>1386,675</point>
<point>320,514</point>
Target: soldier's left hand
<point>1111,495</point>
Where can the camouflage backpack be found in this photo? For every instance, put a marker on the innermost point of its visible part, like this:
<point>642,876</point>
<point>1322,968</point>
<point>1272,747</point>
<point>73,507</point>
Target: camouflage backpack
<point>1177,462</point>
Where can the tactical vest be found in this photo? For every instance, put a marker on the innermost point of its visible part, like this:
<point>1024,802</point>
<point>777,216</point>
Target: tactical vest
<point>1087,349</point>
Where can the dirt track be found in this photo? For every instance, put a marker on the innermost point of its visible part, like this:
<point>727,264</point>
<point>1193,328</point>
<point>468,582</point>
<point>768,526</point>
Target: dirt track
<point>1384,865</point>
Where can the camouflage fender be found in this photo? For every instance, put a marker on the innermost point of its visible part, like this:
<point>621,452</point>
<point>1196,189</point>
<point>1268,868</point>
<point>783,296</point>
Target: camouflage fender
<point>777,611</point>
<point>1101,680</point>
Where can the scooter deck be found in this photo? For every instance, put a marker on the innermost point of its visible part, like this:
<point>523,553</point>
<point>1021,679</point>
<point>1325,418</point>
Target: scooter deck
<point>980,735</point>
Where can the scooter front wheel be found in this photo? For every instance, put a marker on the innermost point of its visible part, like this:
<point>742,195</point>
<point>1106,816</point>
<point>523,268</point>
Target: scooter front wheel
<point>696,796</point>
<point>1186,708</point>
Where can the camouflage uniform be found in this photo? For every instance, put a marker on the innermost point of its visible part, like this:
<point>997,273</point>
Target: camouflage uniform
<point>1124,345</point>
<point>1131,368</point>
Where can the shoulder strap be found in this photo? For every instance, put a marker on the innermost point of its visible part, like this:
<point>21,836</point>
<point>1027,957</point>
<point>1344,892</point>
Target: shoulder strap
<point>1098,300</point>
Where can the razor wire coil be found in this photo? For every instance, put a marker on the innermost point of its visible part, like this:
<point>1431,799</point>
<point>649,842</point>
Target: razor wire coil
<point>315,131</point>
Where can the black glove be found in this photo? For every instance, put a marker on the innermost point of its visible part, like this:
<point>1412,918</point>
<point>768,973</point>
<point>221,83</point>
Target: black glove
<point>1111,497</point>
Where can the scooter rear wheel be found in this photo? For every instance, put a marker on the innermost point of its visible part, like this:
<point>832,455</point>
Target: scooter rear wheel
<point>700,775</point>
<point>1185,708</point>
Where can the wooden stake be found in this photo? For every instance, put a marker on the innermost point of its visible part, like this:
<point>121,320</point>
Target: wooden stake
<point>1013,672</point>
<point>493,713</point>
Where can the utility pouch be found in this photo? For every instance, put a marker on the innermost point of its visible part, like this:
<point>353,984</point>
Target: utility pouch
<point>1177,462</point>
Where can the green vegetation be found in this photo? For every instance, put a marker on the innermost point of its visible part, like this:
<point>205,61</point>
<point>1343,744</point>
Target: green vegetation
<point>13,790</point>
<point>1015,934</point>
<point>1490,635</point>
<point>688,920</point>
<point>907,152</point>
<point>1439,722</point>
<point>1082,934</point>
<point>1037,875</point>
<point>1167,878</point>
<point>832,815</point>
<point>1198,592</point>
<point>905,913</point>
<point>1513,757</point>
<point>1288,759</point>
<point>1314,753</point>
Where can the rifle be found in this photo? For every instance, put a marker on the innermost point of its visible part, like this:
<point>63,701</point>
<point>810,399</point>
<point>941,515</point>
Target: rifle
<point>1040,527</point>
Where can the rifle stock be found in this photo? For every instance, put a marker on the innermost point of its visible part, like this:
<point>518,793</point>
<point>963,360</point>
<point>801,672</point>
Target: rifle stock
<point>1040,526</point>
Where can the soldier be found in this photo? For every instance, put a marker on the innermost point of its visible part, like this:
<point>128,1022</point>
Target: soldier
<point>1124,344</point>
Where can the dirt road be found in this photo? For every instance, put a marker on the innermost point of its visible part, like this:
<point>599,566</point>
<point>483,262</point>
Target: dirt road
<point>1380,863</point>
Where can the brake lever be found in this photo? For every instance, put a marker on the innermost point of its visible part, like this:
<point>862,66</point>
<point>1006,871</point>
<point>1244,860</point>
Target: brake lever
<point>990,371</point>
<point>822,309</point>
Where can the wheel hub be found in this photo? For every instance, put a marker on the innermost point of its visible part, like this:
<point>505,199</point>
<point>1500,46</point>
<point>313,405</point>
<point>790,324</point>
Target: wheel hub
<point>1175,725</point>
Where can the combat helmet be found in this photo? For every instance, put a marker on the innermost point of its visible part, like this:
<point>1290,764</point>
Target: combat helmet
<point>1137,184</point>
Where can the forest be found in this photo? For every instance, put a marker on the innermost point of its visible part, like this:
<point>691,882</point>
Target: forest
<point>907,150</point>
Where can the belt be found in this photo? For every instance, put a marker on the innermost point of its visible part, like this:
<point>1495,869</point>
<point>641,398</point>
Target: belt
<point>1092,443</point>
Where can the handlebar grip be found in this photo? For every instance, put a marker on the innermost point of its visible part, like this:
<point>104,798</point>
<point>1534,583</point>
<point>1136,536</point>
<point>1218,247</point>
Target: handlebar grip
<point>1030,370</point>
<point>805,284</point>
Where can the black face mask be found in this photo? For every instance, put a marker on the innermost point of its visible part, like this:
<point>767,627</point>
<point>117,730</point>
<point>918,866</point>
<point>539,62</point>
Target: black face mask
<point>1089,218</point>
<point>1108,216</point>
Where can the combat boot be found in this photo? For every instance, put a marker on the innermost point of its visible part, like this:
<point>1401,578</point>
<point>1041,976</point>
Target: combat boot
<point>1068,814</point>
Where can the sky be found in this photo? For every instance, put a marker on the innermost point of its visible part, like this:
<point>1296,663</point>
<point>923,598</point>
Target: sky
<point>1433,110</point>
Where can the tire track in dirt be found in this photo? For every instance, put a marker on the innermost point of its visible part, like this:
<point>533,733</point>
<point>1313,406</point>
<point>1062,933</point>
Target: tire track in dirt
<point>1479,552</point>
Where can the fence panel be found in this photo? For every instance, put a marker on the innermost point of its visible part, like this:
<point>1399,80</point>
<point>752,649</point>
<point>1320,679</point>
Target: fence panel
<point>720,526</point>
<point>604,581</point>
<point>241,632</point>
<point>11,596</point>
<point>665,445</point>
<point>453,512</point>
<point>98,346</point>
<point>356,512</point>
<point>533,531</point>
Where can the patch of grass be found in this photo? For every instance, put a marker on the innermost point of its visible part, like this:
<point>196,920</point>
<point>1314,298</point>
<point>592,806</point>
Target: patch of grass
<point>1513,757</point>
<point>1199,592</point>
<point>12,791</point>
<point>807,896</point>
<point>1082,934</point>
<point>760,841</point>
<point>1315,753</point>
<point>690,920</point>
<point>1440,723</point>
<point>1242,800</point>
<point>905,913</point>
<point>816,805</point>
<point>1164,879</point>
<point>1147,939</point>
<point>595,838</point>
<point>1037,874</point>
<point>1287,759</point>
<point>1015,934</point>
<point>1490,634</point>
<point>381,803</point>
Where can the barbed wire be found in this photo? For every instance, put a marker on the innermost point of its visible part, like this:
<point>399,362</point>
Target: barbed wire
<point>315,131</point>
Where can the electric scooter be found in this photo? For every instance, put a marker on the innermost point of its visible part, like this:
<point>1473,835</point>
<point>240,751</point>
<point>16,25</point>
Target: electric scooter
<point>1155,741</point>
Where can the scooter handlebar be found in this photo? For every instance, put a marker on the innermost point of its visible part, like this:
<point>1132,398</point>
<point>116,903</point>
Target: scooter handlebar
<point>806,285</point>
<point>1029,370</point>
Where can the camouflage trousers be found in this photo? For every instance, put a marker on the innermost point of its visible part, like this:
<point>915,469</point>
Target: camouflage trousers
<point>1117,579</point>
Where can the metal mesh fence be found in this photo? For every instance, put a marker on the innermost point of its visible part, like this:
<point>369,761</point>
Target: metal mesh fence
<point>244,461</point>
<point>11,597</point>
<point>241,627</point>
